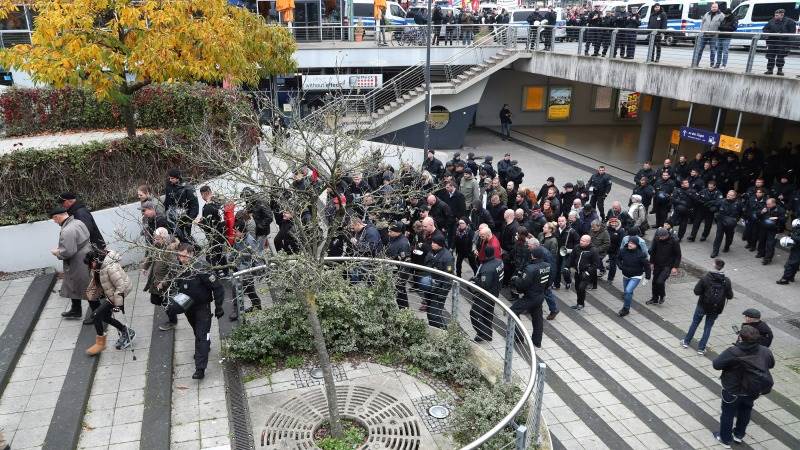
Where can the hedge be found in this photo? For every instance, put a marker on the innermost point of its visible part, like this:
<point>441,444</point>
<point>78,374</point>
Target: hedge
<point>169,105</point>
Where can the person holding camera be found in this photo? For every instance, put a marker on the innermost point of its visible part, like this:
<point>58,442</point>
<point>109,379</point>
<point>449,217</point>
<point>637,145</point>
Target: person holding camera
<point>202,287</point>
<point>108,287</point>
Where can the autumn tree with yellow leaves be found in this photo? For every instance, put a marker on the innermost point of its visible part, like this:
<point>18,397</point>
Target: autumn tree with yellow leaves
<point>116,47</point>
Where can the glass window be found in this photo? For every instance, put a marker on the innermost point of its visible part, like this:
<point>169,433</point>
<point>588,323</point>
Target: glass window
<point>697,10</point>
<point>766,11</point>
<point>741,12</point>
<point>362,9</point>
<point>397,11</point>
<point>673,11</point>
<point>15,21</point>
<point>643,12</point>
<point>521,16</point>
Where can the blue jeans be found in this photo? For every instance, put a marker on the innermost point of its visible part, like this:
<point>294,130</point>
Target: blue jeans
<point>704,40</point>
<point>629,284</point>
<point>734,406</point>
<point>467,36</point>
<point>551,300</point>
<point>506,129</point>
<point>722,52</point>
<point>699,313</point>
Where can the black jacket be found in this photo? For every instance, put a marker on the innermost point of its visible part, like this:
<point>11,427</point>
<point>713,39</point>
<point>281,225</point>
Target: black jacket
<point>533,282</point>
<point>703,284</point>
<point>477,217</point>
<point>81,212</point>
<point>764,330</point>
<point>441,214</point>
<point>633,263</point>
<point>181,196</point>
<point>666,253</point>
<point>658,21</point>
<point>456,203</point>
<point>199,282</point>
<point>261,214</point>
<point>729,212</point>
<point>732,371</point>
<point>490,276</point>
<point>585,259</point>
<point>784,26</point>
<point>600,183</point>
<point>462,243</point>
<point>399,249</point>
<point>508,236</point>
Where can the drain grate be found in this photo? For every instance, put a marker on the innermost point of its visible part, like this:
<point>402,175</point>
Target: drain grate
<point>794,322</point>
<point>392,425</point>
<point>424,405</point>
<point>307,377</point>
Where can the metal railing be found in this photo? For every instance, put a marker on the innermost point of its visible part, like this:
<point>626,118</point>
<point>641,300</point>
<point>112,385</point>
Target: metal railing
<point>413,77</point>
<point>448,299</point>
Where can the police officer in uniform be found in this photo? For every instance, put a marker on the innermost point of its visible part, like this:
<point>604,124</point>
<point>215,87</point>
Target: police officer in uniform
<point>599,185</point>
<point>489,276</point>
<point>755,203</point>
<point>728,213</point>
<point>793,262</point>
<point>531,285</point>
<point>399,249</point>
<point>662,201</point>
<point>707,201</point>
<point>439,258</point>
<point>771,220</point>
<point>203,287</point>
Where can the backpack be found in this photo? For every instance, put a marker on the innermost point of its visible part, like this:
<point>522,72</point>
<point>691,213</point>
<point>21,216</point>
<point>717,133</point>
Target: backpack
<point>755,380</point>
<point>714,295</point>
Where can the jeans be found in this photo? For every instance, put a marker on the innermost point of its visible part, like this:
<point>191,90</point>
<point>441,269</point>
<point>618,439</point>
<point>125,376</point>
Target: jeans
<point>738,406</point>
<point>699,313</point>
<point>467,36</point>
<point>704,40</point>
<point>722,52</point>
<point>629,285</point>
<point>551,301</point>
<point>506,129</point>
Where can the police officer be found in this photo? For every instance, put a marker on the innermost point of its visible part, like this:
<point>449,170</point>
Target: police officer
<point>707,201</point>
<point>399,249</point>
<point>755,203</point>
<point>728,213</point>
<point>594,35</point>
<point>489,276</point>
<point>531,285</point>
<point>203,287</point>
<point>683,200</point>
<point>771,220</point>
<point>439,258</point>
<point>599,185</point>
<point>793,263</point>
<point>662,200</point>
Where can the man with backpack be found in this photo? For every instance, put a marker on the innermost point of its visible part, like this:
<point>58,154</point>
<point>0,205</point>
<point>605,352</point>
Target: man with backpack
<point>745,376</point>
<point>714,289</point>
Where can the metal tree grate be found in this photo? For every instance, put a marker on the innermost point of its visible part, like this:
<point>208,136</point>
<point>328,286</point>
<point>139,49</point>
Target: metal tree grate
<point>434,425</point>
<point>392,425</point>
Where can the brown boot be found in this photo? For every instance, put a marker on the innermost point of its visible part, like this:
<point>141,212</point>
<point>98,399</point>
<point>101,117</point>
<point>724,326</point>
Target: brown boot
<point>99,346</point>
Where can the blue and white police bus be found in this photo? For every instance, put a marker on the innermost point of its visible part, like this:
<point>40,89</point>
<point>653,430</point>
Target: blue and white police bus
<point>682,15</point>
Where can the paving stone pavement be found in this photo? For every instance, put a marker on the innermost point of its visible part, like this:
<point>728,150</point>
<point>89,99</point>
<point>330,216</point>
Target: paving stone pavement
<point>11,292</point>
<point>608,375</point>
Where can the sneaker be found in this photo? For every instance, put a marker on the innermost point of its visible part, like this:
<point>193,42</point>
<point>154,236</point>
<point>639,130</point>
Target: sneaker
<point>624,312</point>
<point>167,326</point>
<point>71,314</point>
<point>738,440</point>
<point>718,438</point>
<point>128,339</point>
<point>684,344</point>
<point>567,286</point>
<point>652,301</point>
<point>577,307</point>
<point>552,315</point>
<point>723,67</point>
<point>661,300</point>
<point>701,351</point>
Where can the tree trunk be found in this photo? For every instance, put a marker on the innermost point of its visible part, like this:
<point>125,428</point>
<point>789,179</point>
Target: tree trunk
<point>128,114</point>
<point>325,364</point>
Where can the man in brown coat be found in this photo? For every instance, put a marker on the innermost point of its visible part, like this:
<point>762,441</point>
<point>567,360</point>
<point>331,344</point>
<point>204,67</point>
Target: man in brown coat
<point>73,245</point>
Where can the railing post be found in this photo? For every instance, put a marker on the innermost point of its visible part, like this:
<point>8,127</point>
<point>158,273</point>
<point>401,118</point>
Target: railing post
<point>535,413</point>
<point>651,46</point>
<point>238,304</point>
<point>538,38</point>
<point>455,300</point>
<point>553,38</point>
<point>521,437</point>
<point>611,50</point>
<point>751,56</point>
<point>695,51</point>
<point>580,40</point>
<point>508,359</point>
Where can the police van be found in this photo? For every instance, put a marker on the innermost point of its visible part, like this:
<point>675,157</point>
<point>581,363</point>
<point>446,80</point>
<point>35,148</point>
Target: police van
<point>363,12</point>
<point>682,15</point>
<point>754,14</point>
<point>519,18</point>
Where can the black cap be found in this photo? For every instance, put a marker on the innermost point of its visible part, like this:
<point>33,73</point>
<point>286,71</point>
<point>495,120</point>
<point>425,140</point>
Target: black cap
<point>752,313</point>
<point>456,155</point>
<point>438,239</point>
<point>470,155</point>
<point>551,179</point>
<point>174,173</point>
<point>56,211</point>
<point>468,170</point>
<point>67,196</point>
<point>396,226</point>
<point>488,158</point>
<point>568,186</point>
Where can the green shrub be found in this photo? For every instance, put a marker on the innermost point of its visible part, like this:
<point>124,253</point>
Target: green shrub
<point>481,409</point>
<point>159,106</point>
<point>354,437</point>
<point>446,355</point>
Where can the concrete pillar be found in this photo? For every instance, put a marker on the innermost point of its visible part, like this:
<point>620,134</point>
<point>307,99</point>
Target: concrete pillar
<point>721,113</point>
<point>777,132</point>
<point>647,135</point>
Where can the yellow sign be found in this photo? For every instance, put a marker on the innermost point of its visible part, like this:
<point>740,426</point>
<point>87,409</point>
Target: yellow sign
<point>676,137</point>
<point>731,143</point>
<point>534,98</point>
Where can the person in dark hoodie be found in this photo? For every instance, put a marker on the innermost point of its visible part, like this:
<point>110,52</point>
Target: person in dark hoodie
<point>585,260</point>
<point>181,205</point>
<point>665,257</point>
<point>745,376</point>
<point>714,289</point>
<point>657,21</point>
<point>78,210</point>
<point>634,267</point>
<point>752,317</point>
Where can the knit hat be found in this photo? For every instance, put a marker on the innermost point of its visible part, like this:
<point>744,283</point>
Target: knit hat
<point>438,239</point>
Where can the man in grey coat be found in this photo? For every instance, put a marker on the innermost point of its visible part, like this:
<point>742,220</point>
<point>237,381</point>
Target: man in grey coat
<point>710,22</point>
<point>73,245</point>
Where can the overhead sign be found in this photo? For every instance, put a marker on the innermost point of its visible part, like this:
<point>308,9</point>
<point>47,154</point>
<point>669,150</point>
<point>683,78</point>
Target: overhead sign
<point>731,143</point>
<point>699,135</point>
<point>342,82</point>
<point>675,139</point>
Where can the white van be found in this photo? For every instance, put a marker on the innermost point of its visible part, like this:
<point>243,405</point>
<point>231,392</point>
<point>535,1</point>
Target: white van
<point>754,14</point>
<point>362,11</point>
<point>519,18</point>
<point>682,15</point>
<point>622,7</point>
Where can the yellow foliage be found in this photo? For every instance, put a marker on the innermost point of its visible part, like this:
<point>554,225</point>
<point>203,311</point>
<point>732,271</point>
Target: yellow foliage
<point>97,43</point>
